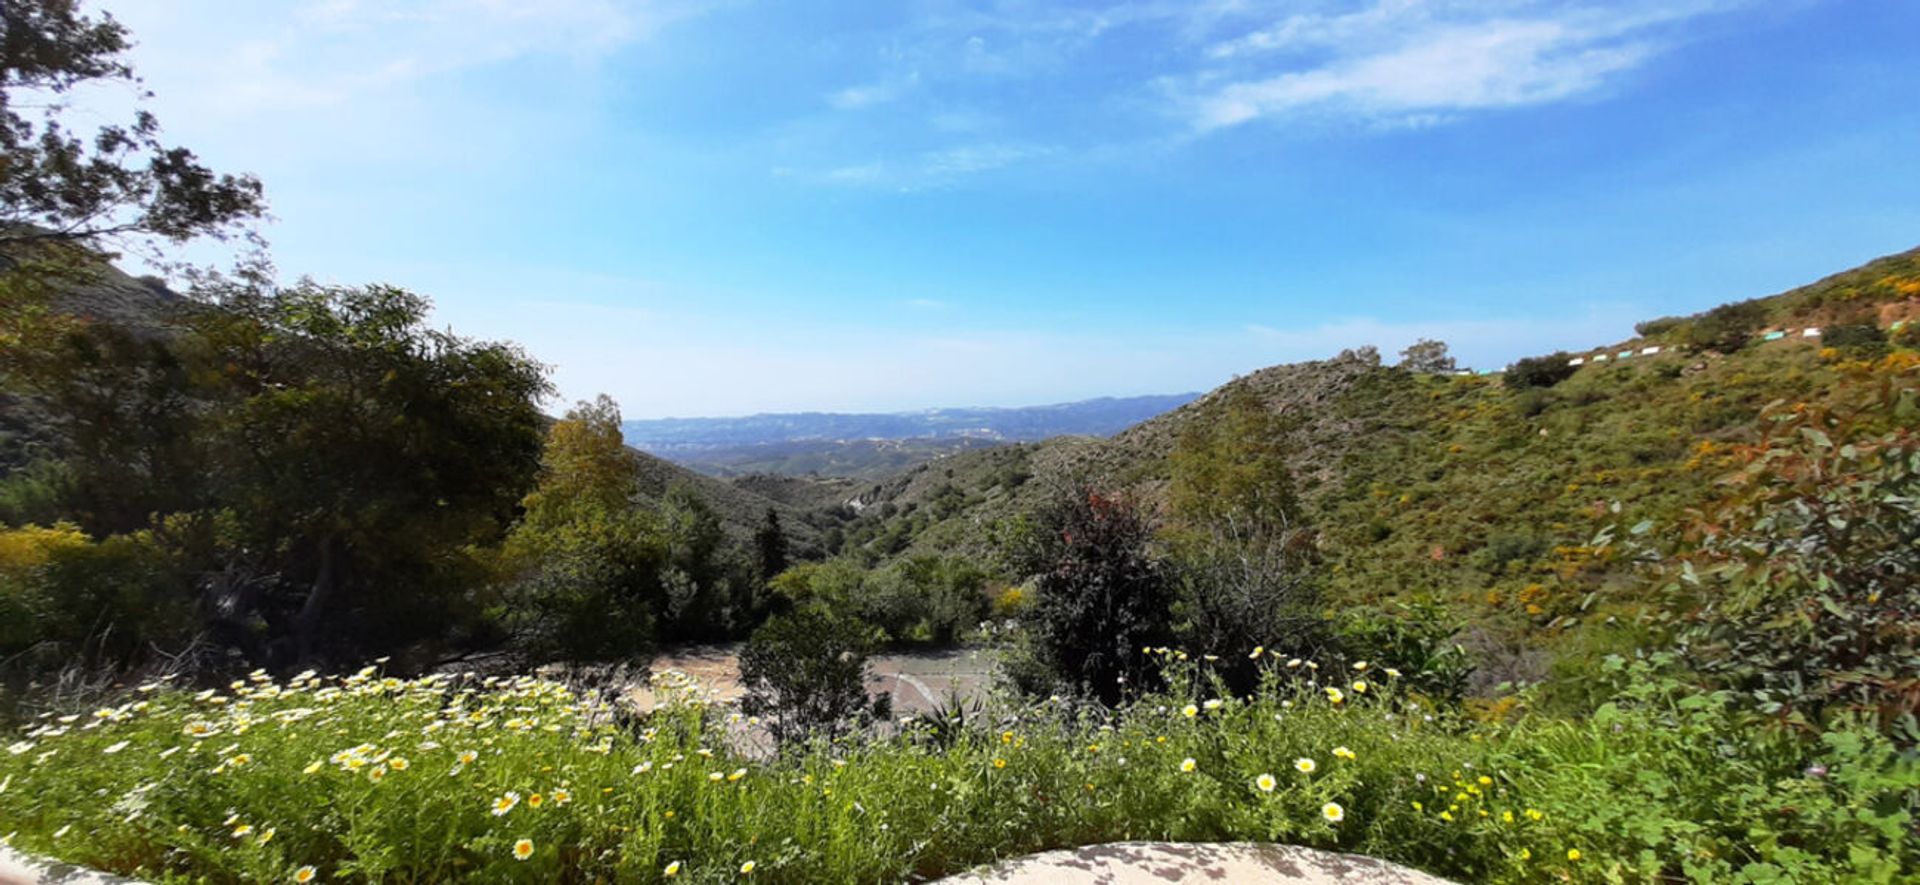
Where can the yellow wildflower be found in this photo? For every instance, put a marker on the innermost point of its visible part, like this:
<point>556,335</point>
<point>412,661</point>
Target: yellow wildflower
<point>523,849</point>
<point>1305,765</point>
<point>1187,765</point>
<point>1265,782</point>
<point>1333,812</point>
<point>746,869</point>
<point>673,869</point>
<point>305,874</point>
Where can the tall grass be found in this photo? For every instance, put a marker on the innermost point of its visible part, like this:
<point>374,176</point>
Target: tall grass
<point>365,778</point>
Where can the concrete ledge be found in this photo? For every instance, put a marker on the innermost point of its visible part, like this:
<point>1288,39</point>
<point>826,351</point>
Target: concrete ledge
<point>1158,863</point>
<point>19,869</point>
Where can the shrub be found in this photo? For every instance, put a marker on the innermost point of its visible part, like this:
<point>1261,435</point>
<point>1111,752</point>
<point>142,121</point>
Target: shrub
<point>1539,371</point>
<point>1857,340</point>
<point>806,672</point>
<point>1726,328</point>
<point>1100,595</point>
<point>1804,585</point>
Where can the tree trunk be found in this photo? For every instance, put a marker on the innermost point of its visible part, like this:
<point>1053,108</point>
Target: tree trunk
<point>326,583</point>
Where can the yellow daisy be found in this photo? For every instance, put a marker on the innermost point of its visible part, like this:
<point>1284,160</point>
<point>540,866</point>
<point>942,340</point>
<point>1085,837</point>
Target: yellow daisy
<point>1304,764</point>
<point>1188,765</point>
<point>673,869</point>
<point>523,849</point>
<point>746,869</point>
<point>1335,695</point>
<point>1266,783</point>
<point>1343,753</point>
<point>1573,854</point>
<point>1190,711</point>
<point>1333,812</point>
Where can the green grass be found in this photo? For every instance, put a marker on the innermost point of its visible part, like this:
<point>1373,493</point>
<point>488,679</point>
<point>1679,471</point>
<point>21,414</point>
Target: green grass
<point>362,779</point>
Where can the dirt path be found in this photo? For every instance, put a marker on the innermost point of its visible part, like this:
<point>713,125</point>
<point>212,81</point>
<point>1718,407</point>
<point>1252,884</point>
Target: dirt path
<point>917,681</point>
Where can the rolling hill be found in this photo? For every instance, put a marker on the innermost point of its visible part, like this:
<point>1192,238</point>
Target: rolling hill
<point>1466,491</point>
<point>874,445</point>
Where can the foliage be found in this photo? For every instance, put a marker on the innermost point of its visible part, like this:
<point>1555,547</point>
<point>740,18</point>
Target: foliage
<point>770,548</point>
<point>67,600</point>
<point>371,779</point>
<point>1539,371</point>
<point>317,461</point>
<point>922,600</point>
<point>57,184</point>
<point>805,673</point>
<point>1804,591</point>
<point>1100,595</point>
<point>1427,357</point>
<point>1856,340</point>
<point>1238,553</point>
<point>1726,328</point>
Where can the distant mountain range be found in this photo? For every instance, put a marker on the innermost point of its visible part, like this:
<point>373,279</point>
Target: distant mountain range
<point>862,445</point>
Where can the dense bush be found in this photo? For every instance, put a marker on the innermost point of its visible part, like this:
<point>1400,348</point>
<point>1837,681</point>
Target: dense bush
<point>1726,328</point>
<point>1856,340</point>
<point>1239,556</point>
<point>805,673</point>
<point>922,600</point>
<point>68,601</point>
<point>1100,594</point>
<point>1539,371</point>
<point>1804,589</point>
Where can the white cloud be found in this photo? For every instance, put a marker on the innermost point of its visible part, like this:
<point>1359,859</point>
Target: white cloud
<point>1406,61</point>
<point>855,98</point>
<point>329,52</point>
<point>927,169</point>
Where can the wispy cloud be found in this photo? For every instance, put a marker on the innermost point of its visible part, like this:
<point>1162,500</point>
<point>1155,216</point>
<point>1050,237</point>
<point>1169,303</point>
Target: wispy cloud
<point>1404,61</point>
<point>925,170</point>
<point>855,98</point>
<point>331,52</point>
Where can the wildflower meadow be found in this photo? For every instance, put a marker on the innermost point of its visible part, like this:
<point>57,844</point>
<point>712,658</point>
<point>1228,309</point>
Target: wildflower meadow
<point>372,778</point>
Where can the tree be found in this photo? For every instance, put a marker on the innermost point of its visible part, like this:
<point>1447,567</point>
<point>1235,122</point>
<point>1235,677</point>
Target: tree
<point>1101,596</point>
<point>584,565</point>
<point>1539,371</point>
<point>770,548</point>
<point>1428,357</point>
<point>805,672</point>
<point>122,180</point>
<point>1241,557</point>
<point>357,450</point>
<point>586,469</point>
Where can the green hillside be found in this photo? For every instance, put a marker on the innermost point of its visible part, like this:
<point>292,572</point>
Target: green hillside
<point>1465,489</point>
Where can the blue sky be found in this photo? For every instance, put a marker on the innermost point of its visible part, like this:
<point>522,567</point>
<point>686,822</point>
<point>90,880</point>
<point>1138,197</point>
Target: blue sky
<point>709,207</point>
